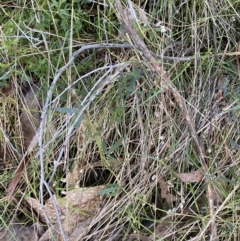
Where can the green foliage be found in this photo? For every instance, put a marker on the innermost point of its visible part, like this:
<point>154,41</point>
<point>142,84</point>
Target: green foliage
<point>111,190</point>
<point>67,110</point>
<point>38,35</point>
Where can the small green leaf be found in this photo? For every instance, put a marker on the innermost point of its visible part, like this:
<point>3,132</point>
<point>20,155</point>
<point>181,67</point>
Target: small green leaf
<point>66,110</point>
<point>115,146</point>
<point>228,180</point>
<point>104,145</point>
<point>234,144</point>
<point>79,121</point>
<point>110,190</point>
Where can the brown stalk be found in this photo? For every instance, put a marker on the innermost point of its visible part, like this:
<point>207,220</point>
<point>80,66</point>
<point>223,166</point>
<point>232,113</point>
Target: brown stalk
<point>166,81</point>
<point>238,61</point>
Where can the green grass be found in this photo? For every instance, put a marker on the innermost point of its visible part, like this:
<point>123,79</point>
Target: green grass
<point>133,128</point>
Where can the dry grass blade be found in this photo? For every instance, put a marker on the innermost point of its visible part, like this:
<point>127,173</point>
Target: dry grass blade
<point>166,80</point>
<point>238,60</point>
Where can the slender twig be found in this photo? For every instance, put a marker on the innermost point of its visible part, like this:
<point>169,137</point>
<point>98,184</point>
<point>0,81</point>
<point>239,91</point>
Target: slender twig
<point>212,83</point>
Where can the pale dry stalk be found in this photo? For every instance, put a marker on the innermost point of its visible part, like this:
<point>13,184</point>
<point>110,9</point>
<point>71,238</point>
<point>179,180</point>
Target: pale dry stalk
<point>166,81</point>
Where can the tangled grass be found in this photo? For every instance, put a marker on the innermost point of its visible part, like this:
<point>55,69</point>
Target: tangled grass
<point>132,129</point>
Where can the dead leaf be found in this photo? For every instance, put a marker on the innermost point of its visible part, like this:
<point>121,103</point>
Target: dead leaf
<point>30,117</point>
<point>193,177</point>
<point>50,234</point>
<point>78,231</point>
<point>77,206</point>
<point>73,177</point>
<point>164,190</point>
